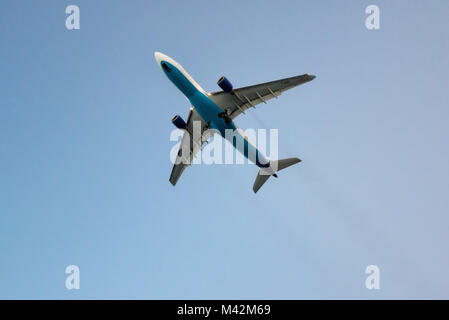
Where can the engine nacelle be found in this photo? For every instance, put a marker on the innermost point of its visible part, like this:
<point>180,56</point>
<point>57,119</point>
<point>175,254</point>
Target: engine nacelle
<point>179,122</point>
<point>224,84</point>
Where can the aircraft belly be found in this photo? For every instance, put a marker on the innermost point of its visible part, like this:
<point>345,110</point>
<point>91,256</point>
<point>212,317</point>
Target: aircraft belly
<point>209,111</point>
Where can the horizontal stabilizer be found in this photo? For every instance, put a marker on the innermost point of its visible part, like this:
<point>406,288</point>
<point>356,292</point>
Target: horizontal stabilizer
<point>276,165</point>
<point>260,180</point>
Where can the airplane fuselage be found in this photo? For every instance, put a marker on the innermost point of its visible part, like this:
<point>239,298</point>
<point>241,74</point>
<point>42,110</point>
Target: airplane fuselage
<point>209,111</point>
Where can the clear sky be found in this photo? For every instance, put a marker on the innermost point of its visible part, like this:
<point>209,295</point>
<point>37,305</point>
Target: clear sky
<point>84,151</point>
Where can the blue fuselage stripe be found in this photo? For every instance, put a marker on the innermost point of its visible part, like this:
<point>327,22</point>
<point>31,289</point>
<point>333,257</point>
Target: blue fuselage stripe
<point>209,111</point>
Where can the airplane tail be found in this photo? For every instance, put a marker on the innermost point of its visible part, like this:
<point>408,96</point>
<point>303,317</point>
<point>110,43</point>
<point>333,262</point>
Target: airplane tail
<point>276,165</point>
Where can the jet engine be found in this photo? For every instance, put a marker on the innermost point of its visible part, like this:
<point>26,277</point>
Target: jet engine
<point>224,84</point>
<point>179,122</point>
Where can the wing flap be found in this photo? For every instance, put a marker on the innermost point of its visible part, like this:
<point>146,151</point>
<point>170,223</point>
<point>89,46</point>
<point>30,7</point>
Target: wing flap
<point>191,143</point>
<point>241,99</point>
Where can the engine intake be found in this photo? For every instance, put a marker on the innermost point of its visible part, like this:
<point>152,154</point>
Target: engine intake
<point>224,84</point>
<point>179,122</point>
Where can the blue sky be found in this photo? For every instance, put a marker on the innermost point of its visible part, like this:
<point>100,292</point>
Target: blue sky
<point>84,151</point>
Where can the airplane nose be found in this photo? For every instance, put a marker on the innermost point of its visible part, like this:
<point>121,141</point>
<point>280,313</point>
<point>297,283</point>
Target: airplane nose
<point>158,56</point>
<point>161,58</point>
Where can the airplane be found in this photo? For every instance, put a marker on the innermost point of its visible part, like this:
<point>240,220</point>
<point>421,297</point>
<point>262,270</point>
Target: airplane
<point>217,110</point>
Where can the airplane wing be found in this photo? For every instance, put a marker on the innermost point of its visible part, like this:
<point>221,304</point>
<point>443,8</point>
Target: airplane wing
<point>190,144</point>
<point>239,100</point>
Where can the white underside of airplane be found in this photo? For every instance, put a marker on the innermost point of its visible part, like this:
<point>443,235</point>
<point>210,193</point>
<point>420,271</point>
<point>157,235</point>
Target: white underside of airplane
<point>217,111</point>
